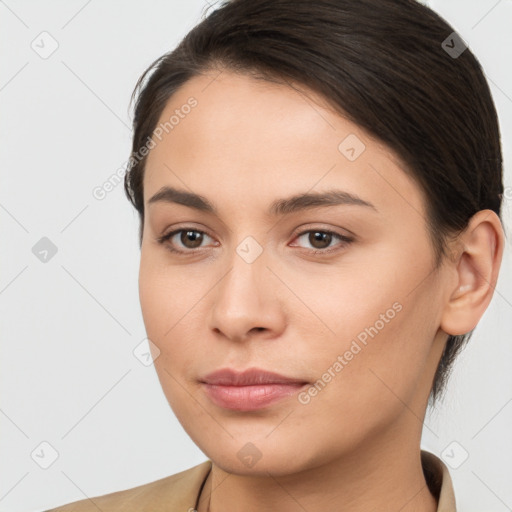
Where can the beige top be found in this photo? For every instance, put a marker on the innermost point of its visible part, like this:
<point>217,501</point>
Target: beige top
<point>180,492</point>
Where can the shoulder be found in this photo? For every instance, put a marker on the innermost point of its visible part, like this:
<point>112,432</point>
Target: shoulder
<point>178,491</point>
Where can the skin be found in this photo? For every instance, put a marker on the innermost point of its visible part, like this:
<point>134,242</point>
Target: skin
<point>356,445</point>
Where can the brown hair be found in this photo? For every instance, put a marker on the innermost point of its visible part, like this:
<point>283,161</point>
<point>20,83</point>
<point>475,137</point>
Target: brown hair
<point>386,65</point>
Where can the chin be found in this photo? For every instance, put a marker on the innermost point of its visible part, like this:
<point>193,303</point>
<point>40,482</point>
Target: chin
<point>262,458</point>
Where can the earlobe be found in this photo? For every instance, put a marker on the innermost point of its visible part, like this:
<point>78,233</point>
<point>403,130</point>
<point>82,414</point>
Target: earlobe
<point>477,268</point>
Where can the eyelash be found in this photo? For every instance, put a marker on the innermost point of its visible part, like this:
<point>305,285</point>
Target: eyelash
<point>345,240</point>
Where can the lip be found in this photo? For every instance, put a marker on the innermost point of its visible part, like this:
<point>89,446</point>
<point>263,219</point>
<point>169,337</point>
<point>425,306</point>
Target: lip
<point>248,390</point>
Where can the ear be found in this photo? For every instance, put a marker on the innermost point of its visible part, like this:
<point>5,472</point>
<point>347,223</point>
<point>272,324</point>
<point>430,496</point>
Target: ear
<point>477,266</point>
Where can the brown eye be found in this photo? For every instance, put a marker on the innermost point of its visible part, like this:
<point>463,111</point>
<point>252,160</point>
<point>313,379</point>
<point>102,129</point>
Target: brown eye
<point>319,239</point>
<point>185,240</point>
<point>191,239</point>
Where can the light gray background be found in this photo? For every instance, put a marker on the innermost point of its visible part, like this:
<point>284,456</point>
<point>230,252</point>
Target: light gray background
<point>68,373</point>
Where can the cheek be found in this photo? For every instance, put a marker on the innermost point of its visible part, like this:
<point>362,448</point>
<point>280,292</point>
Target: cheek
<point>161,308</point>
<point>173,308</point>
<point>167,306</point>
<point>341,304</point>
<point>380,328</point>
<point>361,386</point>
<point>166,295</point>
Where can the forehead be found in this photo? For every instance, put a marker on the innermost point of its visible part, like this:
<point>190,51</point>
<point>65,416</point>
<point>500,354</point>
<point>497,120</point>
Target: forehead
<point>257,136</point>
<point>252,111</point>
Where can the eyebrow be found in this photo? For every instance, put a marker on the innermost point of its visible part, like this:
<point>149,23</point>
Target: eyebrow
<point>278,207</point>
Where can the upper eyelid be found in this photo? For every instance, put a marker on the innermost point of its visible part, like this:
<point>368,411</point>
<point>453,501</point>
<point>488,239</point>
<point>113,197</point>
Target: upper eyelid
<point>296,232</point>
<point>303,231</point>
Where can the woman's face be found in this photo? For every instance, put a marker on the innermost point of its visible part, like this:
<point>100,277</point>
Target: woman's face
<point>359,317</point>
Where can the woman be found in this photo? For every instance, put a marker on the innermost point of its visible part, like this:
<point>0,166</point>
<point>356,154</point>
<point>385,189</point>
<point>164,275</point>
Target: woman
<point>319,188</point>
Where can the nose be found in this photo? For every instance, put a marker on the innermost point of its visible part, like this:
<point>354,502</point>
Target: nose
<point>247,302</point>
